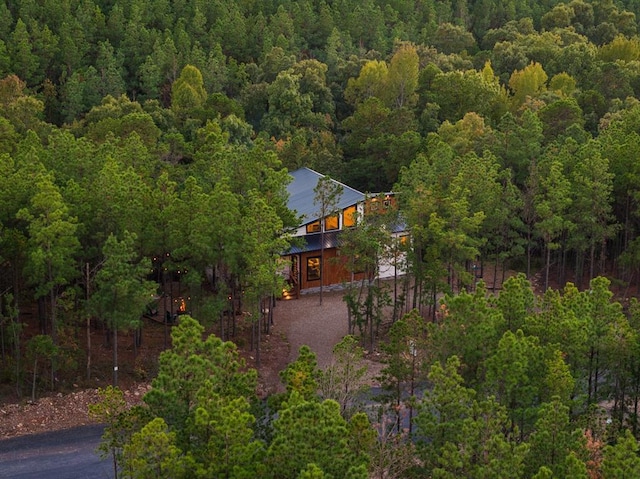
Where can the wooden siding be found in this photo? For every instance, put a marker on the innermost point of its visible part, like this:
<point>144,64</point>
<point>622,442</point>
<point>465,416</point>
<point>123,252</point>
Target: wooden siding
<point>334,270</point>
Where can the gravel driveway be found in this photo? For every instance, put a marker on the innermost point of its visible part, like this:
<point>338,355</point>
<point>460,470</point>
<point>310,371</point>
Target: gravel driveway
<point>305,321</point>
<point>321,327</point>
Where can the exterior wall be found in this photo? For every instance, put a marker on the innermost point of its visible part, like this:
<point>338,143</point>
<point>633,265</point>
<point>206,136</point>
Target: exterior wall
<point>390,267</point>
<point>297,270</point>
<point>330,270</point>
<point>334,270</point>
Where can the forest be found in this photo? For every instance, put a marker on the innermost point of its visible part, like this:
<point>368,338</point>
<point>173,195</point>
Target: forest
<point>148,143</point>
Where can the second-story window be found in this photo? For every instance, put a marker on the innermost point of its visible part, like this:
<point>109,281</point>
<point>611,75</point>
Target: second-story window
<point>331,223</point>
<point>349,217</point>
<point>313,227</point>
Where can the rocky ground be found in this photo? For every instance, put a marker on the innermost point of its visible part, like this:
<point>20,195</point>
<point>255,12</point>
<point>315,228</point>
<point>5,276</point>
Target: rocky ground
<point>59,411</point>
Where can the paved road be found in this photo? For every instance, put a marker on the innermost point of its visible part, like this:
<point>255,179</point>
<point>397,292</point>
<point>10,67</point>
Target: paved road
<point>68,454</point>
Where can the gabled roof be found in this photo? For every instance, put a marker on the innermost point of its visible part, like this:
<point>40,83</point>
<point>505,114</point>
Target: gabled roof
<point>301,195</point>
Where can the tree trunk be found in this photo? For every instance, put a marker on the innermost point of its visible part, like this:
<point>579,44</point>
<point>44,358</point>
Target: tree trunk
<point>417,278</point>
<point>2,340</point>
<point>503,273</point>
<point>395,289</point>
<point>495,275</point>
<point>579,268</point>
<point>603,257</point>
<point>16,343</point>
<point>258,342</point>
<point>136,333</point>
<point>595,382</point>
<point>590,380</point>
<point>33,383</point>
<point>115,462</point>
<point>115,357</point>
<point>52,299</point>
<point>88,324</point>
<point>528,253</point>
<point>42,315</point>
<point>547,267</point>
<point>370,314</point>
<point>434,300</point>
<point>321,258</point>
<point>350,326</point>
<point>592,257</point>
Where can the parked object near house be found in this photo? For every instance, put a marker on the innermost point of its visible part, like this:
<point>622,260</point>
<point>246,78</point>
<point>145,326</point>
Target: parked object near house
<point>317,239</point>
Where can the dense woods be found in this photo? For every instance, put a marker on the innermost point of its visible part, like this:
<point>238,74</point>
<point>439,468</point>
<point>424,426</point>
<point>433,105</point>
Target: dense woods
<point>146,144</point>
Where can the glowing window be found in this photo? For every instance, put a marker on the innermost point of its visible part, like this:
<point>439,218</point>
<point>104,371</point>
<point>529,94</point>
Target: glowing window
<point>313,268</point>
<point>313,227</point>
<point>331,223</point>
<point>349,216</point>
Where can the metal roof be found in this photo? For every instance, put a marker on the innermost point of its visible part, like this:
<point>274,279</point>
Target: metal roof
<point>312,242</point>
<point>301,195</point>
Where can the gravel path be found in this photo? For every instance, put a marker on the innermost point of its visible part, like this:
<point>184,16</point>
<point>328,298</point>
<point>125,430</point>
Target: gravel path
<point>321,327</point>
<point>306,321</point>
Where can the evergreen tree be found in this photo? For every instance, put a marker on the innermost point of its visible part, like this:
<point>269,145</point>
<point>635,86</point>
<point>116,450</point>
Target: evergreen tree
<point>122,294</point>
<point>314,432</point>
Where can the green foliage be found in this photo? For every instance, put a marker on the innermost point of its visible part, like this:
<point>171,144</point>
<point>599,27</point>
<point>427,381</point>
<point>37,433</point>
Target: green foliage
<point>554,440</point>
<point>200,413</point>
<point>344,380</point>
<point>621,48</point>
<point>289,107</point>
<point>152,452</point>
<point>222,436</point>
<point>516,301</point>
<point>302,375</point>
<point>514,375</point>
<point>528,82</point>
<point>369,83</point>
<point>120,421</point>
<point>443,409</point>
<point>326,199</point>
<point>184,368</point>
<point>464,436</point>
<point>53,244</point>
<point>122,294</point>
<point>499,126</point>
<point>187,92</point>
<point>314,432</point>
<point>459,92</point>
<point>449,38</point>
<point>621,460</point>
<point>470,328</point>
<point>40,348</point>
<point>558,118</point>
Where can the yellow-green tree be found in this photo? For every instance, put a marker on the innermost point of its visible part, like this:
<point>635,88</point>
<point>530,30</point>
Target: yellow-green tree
<point>402,77</point>
<point>531,81</point>
<point>187,92</point>
<point>369,83</point>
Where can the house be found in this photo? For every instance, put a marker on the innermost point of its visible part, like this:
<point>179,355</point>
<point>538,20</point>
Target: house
<point>303,260</point>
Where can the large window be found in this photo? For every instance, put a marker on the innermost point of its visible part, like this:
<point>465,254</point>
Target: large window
<point>331,223</point>
<point>313,268</point>
<point>349,216</point>
<point>313,227</point>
